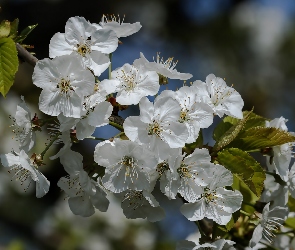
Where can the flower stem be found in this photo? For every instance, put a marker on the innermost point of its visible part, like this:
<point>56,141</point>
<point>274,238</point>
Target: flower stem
<point>95,138</point>
<point>200,229</point>
<point>117,126</point>
<point>245,213</point>
<point>49,144</point>
<point>110,66</point>
<point>249,204</point>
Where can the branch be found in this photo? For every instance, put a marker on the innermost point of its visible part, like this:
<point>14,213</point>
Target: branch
<point>26,55</point>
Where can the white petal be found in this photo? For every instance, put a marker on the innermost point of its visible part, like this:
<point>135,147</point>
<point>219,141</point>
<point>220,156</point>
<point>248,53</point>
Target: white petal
<point>58,46</point>
<point>99,62</point>
<point>99,117</point>
<point>9,160</point>
<point>104,40</point>
<point>42,185</point>
<point>194,211</point>
<point>81,205</point>
<point>77,30</point>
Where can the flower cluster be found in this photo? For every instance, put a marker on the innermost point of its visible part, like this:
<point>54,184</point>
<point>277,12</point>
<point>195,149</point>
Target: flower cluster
<point>161,144</point>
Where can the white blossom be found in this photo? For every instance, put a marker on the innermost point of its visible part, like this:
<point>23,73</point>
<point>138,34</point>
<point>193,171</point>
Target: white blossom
<point>282,154</point>
<point>25,169</point>
<point>157,124</point>
<point>141,204</point>
<point>191,174</point>
<point>91,118</point>
<point>269,221</point>
<point>220,244</point>
<point>222,98</point>
<point>84,193</point>
<point>23,127</point>
<point>275,192</point>
<point>194,113</point>
<point>162,67</point>
<point>132,84</point>
<point>127,164</point>
<point>65,83</point>
<point>216,202</point>
<point>114,23</point>
<point>82,39</point>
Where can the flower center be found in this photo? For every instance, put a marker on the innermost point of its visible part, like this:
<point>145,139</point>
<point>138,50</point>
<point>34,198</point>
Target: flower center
<point>128,80</point>
<point>184,171</point>
<point>184,115</point>
<point>134,198</point>
<point>220,94</point>
<point>209,196</point>
<point>162,168</point>
<point>65,86</point>
<point>130,164</point>
<point>155,129</point>
<point>83,49</point>
<point>74,184</point>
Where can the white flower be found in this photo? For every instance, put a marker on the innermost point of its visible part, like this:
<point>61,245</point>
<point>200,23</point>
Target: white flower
<point>84,193</point>
<point>275,192</point>
<point>157,124</point>
<point>127,165</point>
<point>269,221</point>
<point>222,99</point>
<point>23,127</point>
<point>25,169</point>
<point>65,83</point>
<point>163,172</point>
<point>164,68</point>
<point>82,39</point>
<point>119,27</point>
<point>282,154</point>
<point>220,244</point>
<point>194,114</point>
<point>132,84</point>
<point>141,204</point>
<point>191,174</point>
<point>92,117</point>
<point>216,202</point>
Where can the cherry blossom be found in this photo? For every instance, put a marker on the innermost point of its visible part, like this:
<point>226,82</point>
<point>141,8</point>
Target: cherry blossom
<point>25,169</point>
<point>157,124</point>
<point>222,98</point>
<point>162,67</point>
<point>82,39</point>
<point>127,165</point>
<point>216,202</point>
<point>65,83</point>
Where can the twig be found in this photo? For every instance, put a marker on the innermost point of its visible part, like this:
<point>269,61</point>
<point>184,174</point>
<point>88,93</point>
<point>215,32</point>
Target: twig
<point>26,55</point>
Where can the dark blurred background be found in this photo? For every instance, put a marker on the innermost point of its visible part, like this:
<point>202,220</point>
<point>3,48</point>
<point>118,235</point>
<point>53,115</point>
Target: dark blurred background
<point>250,43</point>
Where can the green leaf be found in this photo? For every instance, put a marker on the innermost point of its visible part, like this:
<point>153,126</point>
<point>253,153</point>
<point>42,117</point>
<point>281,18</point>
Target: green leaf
<point>291,204</point>
<point>8,64</point>
<point>4,28</point>
<point>260,137</point>
<point>252,121</point>
<point>231,133</point>
<point>25,33</point>
<point>248,196</point>
<point>290,222</point>
<point>14,28</point>
<point>244,167</point>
